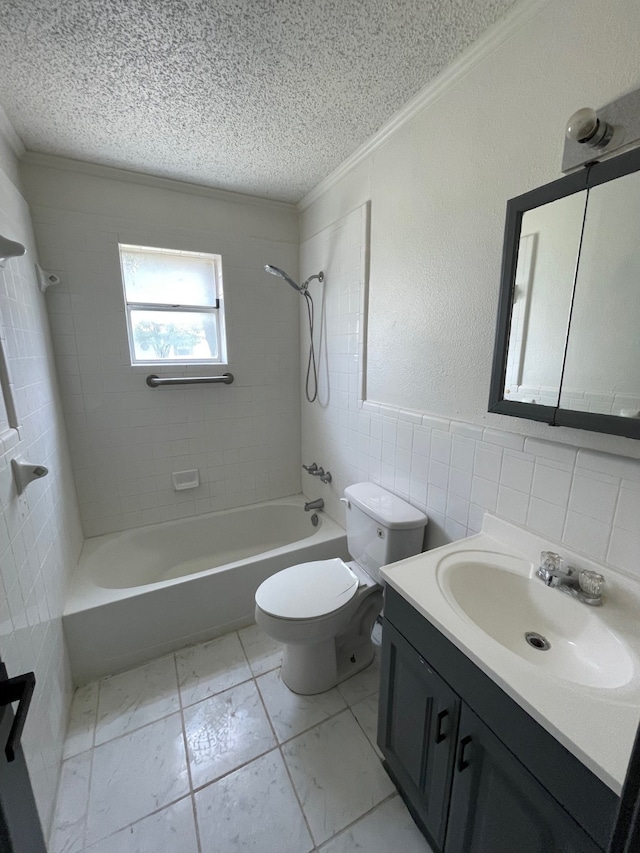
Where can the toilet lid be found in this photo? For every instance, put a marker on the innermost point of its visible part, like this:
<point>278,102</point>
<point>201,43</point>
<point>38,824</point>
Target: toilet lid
<point>307,590</point>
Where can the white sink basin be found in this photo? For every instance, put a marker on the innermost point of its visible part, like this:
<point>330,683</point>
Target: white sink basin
<point>501,595</point>
<point>483,595</point>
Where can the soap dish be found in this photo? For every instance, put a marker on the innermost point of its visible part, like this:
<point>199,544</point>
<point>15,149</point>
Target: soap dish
<point>185,479</point>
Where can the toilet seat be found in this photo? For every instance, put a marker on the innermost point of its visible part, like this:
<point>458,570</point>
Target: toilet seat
<point>308,590</point>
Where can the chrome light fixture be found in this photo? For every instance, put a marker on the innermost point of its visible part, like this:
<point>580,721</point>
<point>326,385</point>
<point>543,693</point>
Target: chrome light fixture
<point>592,135</point>
<point>585,127</point>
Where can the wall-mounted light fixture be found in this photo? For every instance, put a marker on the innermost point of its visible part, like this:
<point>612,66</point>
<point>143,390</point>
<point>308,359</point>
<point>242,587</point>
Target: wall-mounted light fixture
<point>585,127</point>
<point>9,249</point>
<point>598,134</point>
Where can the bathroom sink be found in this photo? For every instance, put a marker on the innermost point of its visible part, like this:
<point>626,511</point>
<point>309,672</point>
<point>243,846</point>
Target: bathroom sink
<point>500,595</point>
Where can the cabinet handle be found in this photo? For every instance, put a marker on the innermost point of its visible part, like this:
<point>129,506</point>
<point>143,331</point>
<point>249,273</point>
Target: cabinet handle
<point>462,746</point>
<point>440,735</point>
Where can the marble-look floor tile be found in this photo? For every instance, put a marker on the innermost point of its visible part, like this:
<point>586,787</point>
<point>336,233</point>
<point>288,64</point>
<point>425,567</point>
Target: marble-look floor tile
<point>262,652</point>
<point>137,697</point>
<point>82,721</point>
<point>291,713</point>
<point>211,668</point>
<point>253,809</point>
<point>135,775</point>
<point>226,731</point>
<point>366,713</point>
<point>70,817</point>
<point>336,774</point>
<point>172,829</point>
<point>387,828</point>
<point>361,685</point>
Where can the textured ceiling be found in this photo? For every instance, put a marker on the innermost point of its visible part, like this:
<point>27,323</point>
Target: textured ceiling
<point>258,96</point>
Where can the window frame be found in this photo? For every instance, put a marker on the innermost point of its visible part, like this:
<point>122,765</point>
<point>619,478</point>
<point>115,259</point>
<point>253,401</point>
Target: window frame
<point>180,308</point>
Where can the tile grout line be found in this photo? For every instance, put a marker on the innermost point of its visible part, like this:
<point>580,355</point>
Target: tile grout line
<point>166,805</point>
<point>186,755</point>
<point>286,766</point>
<point>91,762</point>
<point>137,821</point>
<point>613,519</point>
<point>273,749</point>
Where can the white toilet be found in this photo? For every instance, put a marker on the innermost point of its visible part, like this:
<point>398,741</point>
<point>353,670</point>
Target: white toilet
<point>323,612</point>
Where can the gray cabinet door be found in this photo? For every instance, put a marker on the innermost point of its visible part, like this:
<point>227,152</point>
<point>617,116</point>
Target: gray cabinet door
<point>498,806</point>
<point>20,830</point>
<point>417,730</point>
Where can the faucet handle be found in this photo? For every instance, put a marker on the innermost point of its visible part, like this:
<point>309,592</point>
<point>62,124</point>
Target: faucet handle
<point>591,583</point>
<point>311,468</point>
<point>550,561</point>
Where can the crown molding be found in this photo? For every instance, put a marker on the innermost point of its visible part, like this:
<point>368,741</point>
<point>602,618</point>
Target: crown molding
<point>66,164</point>
<point>487,43</point>
<point>8,132</point>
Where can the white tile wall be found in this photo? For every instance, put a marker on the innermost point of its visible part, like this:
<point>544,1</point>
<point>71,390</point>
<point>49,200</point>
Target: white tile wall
<point>454,471</point>
<point>126,439</point>
<point>40,535</point>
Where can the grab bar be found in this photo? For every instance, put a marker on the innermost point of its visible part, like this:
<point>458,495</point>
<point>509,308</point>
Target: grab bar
<point>154,381</point>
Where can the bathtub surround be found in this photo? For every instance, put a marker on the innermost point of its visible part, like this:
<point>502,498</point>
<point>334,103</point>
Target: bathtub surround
<point>127,439</point>
<point>40,535</point>
<point>422,429</point>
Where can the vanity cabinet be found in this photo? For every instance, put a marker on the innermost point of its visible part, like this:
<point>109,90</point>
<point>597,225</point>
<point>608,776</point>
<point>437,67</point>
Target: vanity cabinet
<point>497,806</point>
<point>421,722</point>
<point>478,773</point>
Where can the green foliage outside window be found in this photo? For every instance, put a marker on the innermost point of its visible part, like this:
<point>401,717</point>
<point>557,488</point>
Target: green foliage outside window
<point>162,338</point>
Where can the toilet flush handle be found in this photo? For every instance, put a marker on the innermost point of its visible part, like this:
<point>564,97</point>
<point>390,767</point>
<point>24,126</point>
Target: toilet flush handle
<point>346,501</point>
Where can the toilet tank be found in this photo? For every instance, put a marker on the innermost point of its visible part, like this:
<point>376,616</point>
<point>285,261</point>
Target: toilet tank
<point>381,527</point>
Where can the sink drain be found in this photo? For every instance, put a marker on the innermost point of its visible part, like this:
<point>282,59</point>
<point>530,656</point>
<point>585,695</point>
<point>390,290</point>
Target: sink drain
<point>537,641</point>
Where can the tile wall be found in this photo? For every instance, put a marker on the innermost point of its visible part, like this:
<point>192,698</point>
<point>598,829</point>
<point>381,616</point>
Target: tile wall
<point>454,471</point>
<point>40,535</point>
<point>126,439</point>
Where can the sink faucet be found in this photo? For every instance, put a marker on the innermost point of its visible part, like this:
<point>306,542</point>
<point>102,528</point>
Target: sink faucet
<point>582,584</point>
<point>317,504</point>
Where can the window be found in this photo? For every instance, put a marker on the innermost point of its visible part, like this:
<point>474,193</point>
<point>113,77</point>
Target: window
<point>174,306</point>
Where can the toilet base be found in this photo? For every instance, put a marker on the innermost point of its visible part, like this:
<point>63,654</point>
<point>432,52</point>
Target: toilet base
<point>309,669</point>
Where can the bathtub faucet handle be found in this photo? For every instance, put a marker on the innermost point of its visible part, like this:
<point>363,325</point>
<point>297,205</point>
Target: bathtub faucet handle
<point>311,468</point>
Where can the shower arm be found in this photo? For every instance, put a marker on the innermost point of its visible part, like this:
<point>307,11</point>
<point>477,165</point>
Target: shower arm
<point>319,276</point>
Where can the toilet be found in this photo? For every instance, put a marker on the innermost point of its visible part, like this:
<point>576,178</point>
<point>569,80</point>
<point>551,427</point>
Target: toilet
<point>323,611</point>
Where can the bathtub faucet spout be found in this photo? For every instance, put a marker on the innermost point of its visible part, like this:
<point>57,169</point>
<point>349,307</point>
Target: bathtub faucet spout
<point>311,505</point>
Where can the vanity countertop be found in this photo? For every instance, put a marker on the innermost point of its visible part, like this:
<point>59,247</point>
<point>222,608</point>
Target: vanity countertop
<point>595,723</point>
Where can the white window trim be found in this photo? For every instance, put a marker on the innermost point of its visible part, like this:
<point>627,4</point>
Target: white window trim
<point>186,308</point>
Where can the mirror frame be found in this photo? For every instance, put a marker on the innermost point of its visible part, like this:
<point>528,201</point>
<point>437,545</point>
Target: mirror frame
<point>585,179</point>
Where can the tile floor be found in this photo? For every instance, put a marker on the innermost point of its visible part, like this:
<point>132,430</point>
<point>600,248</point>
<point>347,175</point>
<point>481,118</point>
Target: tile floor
<point>206,751</point>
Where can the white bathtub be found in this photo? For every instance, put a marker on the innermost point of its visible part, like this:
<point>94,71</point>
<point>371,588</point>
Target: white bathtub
<point>148,591</point>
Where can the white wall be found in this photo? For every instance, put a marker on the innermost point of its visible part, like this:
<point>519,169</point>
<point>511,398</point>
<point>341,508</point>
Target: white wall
<point>438,187</point>
<point>40,536</point>
<point>126,438</point>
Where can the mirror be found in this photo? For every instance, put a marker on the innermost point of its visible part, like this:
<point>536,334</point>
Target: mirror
<point>602,369</point>
<point>567,343</point>
<point>541,299</point>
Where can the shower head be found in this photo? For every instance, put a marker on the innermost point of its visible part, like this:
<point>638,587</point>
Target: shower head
<point>276,271</point>
<point>301,288</point>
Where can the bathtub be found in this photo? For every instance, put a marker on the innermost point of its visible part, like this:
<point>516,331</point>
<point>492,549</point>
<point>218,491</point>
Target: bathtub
<point>145,592</point>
